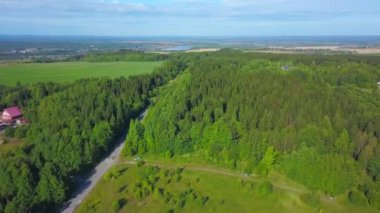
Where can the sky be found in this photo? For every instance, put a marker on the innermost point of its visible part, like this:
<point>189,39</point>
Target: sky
<point>190,17</point>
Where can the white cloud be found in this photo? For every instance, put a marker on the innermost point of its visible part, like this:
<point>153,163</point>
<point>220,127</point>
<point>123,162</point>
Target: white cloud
<point>182,15</point>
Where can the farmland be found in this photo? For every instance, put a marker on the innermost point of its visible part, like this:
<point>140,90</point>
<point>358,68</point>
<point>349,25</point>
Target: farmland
<point>28,73</point>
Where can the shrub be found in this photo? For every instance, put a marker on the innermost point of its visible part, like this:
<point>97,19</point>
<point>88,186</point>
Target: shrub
<point>265,188</point>
<point>262,170</point>
<point>140,163</point>
<point>311,199</point>
<point>249,168</point>
<point>123,188</point>
<point>138,194</point>
<point>152,178</point>
<point>148,186</point>
<point>108,176</point>
<point>249,187</point>
<point>116,205</point>
<point>202,200</point>
<point>21,132</point>
<point>164,173</point>
<point>10,132</point>
<point>193,196</point>
<point>357,198</point>
<point>167,197</point>
<point>170,211</point>
<point>158,193</point>
<point>181,203</point>
<point>169,154</point>
<point>114,173</point>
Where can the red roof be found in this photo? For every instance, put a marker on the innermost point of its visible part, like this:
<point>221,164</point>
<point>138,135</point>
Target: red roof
<point>13,111</point>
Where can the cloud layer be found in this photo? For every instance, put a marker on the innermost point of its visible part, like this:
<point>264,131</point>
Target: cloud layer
<point>190,17</point>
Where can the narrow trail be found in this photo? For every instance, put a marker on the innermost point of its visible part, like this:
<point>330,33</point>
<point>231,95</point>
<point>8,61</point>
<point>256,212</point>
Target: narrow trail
<point>219,172</point>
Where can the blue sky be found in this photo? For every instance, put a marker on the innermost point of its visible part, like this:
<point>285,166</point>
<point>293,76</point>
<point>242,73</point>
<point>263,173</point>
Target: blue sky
<point>190,17</point>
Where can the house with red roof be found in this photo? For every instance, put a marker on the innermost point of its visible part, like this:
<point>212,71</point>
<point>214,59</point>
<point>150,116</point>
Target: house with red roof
<point>11,114</point>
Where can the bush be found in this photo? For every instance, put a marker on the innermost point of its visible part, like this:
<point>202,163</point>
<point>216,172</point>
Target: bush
<point>265,188</point>
<point>164,173</point>
<point>168,197</point>
<point>250,187</point>
<point>21,132</point>
<point>357,198</point>
<point>181,203</point>
<point>140,163</point>
<point>262,170</point>
<point>158,193</point>
<point>10,132</point>
<point>248,169</point>
<point>193,196</point>
<point>138,194</point>
<point>311,199</point>
<point>202,200</point>
<point>116,205</point>
<point>114,173</point>
<point>170,211</point>
<point>169,154</point>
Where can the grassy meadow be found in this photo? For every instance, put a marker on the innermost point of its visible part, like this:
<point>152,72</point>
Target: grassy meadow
<point>29,73</point>
<point>129,188</point>
<point>8,144</point>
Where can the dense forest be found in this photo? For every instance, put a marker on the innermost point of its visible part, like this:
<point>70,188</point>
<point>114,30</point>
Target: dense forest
<point>72,126</point>
<point>314,118</point>
<point>121,55</point>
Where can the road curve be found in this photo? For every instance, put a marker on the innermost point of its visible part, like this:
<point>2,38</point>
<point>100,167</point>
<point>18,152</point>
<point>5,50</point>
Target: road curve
<point>87,183</point>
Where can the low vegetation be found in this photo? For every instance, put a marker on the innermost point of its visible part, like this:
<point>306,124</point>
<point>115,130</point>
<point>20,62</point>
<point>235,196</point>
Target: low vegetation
<point>176,189</point>
<point>165,189</point>
<point>29,73</point>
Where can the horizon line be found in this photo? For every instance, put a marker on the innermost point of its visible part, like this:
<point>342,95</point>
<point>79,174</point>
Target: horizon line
<point>201,36</point>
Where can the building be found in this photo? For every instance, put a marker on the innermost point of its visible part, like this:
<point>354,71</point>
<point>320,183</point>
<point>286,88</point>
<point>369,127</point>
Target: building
<point>11,113</point>
<point>22,121</point>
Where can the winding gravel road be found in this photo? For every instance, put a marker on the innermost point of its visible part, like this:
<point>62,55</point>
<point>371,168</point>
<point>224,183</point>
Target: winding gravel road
<point>88,182</point>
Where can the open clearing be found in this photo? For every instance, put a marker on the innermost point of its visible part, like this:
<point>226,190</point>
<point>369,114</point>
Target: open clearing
<point>28,73</point>
<point>7,144</point>
<point>224,191</point>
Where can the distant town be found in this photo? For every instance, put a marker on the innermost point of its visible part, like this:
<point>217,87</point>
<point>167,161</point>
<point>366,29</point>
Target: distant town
<point>56,48</point>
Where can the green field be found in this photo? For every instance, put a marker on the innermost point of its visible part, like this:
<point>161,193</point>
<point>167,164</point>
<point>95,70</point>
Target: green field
<point>128,188</point>
<point>28,73</point>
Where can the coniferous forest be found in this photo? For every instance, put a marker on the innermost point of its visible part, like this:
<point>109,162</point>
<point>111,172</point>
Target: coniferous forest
<point>72,126</point>
<point>315,119</point>
<point>189,106</point>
